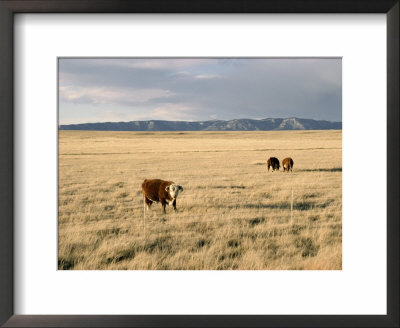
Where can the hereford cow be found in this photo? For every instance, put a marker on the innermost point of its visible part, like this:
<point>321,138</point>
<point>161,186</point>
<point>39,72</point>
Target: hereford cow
<point>273,162</point>
<point>287,164</point>
<point>165,192</point>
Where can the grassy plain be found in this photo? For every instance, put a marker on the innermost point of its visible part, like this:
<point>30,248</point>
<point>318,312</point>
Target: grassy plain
<point>231,215</point>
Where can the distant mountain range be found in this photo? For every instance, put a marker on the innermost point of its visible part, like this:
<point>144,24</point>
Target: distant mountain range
<point>245,124</point>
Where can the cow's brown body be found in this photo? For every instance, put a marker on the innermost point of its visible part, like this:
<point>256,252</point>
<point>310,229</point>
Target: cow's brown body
<point>156,190</point>
<point>273,162</point>
<point>287,164</point>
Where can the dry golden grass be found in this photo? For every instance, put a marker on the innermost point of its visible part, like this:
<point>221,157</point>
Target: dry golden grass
<point>231,215</point>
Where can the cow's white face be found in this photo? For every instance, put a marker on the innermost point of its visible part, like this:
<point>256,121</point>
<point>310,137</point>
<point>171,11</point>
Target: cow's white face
<point>174,190</point>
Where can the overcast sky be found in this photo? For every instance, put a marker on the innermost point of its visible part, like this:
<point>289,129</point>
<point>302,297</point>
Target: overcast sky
<point>113,90</point>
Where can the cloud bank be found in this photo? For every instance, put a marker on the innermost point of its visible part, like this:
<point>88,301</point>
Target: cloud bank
<point>119,89</point>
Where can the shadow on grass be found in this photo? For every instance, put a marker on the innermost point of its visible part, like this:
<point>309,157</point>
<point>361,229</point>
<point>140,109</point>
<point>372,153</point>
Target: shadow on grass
<point>256,221</point>
<point>334,169</point>
<point>122,255</point>
<point>220,187</point>
<point>307,247</point>
<point>65,264</point>
<point>300,206</point>
<point>162,244</point>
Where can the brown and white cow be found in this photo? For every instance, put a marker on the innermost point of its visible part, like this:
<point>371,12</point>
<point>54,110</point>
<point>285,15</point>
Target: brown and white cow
<point>273,162</point>
<point>157,190</point>
<point>287,164</point>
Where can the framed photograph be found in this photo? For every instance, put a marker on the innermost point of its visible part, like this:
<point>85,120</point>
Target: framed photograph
<point>199,164</point>
<point>174,122</point>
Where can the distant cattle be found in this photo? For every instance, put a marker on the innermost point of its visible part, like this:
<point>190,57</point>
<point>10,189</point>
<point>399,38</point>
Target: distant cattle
<point>273,162</point>
<point>287,164</point>
<point>165,192</point>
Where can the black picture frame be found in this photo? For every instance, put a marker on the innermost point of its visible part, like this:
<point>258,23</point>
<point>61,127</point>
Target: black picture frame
<point>10,7</point>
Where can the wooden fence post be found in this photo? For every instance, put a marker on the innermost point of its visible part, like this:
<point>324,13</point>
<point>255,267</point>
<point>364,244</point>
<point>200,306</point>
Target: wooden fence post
<point>144,214</point>
<point>291,209</point>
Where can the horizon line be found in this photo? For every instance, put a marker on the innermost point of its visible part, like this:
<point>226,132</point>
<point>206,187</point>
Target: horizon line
<point>211,120</point>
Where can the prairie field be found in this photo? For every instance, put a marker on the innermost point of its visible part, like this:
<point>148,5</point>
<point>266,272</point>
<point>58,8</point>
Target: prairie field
<point>232,214</point>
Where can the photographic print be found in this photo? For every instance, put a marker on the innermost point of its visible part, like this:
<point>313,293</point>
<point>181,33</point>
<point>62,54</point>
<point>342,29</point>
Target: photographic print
<point>200,164</point>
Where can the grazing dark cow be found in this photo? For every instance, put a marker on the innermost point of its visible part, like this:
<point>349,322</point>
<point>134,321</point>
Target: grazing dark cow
<point>273,162</point>
<point>165,192</point>
<point>287,164</point>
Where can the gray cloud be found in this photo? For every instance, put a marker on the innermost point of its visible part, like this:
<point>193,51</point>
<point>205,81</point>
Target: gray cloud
<point>200,89</point>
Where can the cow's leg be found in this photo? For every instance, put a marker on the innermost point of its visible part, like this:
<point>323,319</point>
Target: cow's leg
<point>164,204</point>
<point>148,202</point>
<point>174,204</point>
